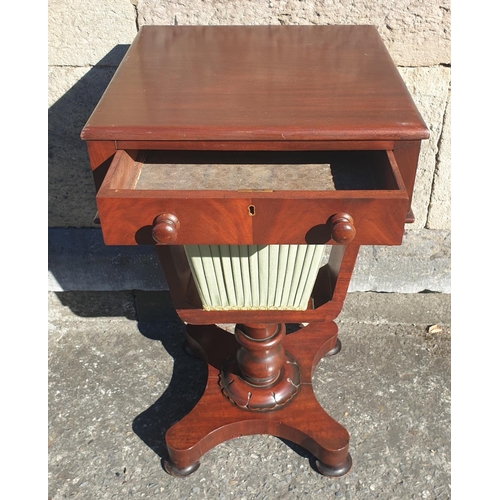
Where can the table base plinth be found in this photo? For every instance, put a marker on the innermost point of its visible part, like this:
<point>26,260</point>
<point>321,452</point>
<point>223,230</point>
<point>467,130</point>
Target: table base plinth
<point>216,419</point>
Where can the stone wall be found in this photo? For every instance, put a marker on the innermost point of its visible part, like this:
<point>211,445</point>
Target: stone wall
<point>87,40</point>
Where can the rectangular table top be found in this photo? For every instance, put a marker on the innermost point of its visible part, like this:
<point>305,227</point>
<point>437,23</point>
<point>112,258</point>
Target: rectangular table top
<point>256,83</point>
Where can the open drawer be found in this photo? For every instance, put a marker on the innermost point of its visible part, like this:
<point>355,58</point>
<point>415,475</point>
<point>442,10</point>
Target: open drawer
<point>257,197</point>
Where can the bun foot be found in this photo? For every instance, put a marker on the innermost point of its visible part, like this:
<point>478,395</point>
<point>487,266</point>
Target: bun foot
<point>335,350</point>
<point>171,469</point>
<point>337,471</point>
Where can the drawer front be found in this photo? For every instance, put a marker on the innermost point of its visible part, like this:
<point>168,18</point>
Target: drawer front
<point>129,221</point>
<point>376,221</point>
<point>130,216</point>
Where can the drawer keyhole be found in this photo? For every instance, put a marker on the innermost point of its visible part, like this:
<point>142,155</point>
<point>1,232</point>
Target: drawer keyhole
<point>251,210</point>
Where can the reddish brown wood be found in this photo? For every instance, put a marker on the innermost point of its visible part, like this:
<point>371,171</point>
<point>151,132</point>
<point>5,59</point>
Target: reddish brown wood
<point>263,94</point>
<point>260,355</point>
<point>128,221</point>
<point>267,83</point>
<point>341,266</point>
<point>178,275</point>
<point>100,157</point>
<point>279,217</point>
<point>99,152</point>
<point>327,298</point>
<point>260,376</point>
<point>215,419</point>
<point>410,217</point>
<point>165,228</point>
<point>406,154</point>
<point>342,228</point>
<point>124,170</point>
<point>258,145</point>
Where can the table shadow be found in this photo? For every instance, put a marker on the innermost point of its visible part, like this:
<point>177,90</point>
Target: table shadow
<point>186,386</point>
<point>185,389</point>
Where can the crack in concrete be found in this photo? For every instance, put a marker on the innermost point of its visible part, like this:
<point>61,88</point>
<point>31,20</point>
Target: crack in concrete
<point>134,4</point>
<point>442,64</point>
<point>85,66</point>
<point>437,158</point>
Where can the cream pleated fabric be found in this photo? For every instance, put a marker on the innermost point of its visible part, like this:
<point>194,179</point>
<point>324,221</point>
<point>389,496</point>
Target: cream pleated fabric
<point>256,277</point>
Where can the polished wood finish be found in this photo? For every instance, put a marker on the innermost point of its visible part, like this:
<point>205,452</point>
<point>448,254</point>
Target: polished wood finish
<point>100,155</point>
<point>165,228</point>
<point>257,145</point>
<point>406,155</point>
<point>256,83</point>
<point>261,376</point>
<point>260,356</point>
<point>269,95</point>
<point>378,203</point>
<point>99,152</point>
<point>342,228</point>
<point>214,419</point>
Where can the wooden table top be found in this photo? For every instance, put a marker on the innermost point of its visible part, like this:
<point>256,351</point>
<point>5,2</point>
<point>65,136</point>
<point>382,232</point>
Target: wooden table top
<point>256,83</point>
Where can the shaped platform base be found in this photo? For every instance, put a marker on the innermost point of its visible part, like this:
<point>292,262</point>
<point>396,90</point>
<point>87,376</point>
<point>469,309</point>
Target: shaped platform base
<point>216,419</point>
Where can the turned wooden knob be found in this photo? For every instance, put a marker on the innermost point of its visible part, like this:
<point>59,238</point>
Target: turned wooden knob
<point>342,228</point>
<point>165,228</point>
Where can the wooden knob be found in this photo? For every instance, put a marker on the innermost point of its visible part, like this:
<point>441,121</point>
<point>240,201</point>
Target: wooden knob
<point>165,228</point>
<point>342,228</point>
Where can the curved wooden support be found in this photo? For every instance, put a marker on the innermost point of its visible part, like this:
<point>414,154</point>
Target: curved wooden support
<point>303,421</point>
<point>261,376</point>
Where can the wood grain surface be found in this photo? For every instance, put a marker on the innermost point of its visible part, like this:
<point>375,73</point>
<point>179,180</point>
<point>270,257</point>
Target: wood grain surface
<point>369,188</point>
<point>215,419</point>
<point>267,83</point>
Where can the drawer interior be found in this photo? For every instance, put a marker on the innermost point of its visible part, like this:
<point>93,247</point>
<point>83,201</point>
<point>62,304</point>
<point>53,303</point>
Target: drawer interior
<point>258,198</point>
<point>258,171</point>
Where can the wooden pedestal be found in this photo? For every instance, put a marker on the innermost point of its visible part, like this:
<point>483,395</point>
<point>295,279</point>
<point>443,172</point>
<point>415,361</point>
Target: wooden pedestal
<point>259,379</point>
<point>299,418</point>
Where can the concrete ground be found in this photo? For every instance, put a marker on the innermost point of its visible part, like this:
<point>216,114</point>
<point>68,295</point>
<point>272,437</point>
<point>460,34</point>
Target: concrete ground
<point>118,378</point>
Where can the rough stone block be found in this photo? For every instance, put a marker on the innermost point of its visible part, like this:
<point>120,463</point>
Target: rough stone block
<point>73,94</point>
<point>440,205</point>
<point>82,32</point>
<point>416,33</point>
<point>429,88</point>
<point>421,263</point>
<point>395,308</point>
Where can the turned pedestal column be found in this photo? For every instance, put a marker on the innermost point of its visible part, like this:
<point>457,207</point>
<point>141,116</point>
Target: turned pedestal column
<point>262,376</point>
<point>259,382</point>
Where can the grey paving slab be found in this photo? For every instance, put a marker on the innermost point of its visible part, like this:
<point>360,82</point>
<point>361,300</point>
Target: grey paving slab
<point>116,383</point>
<point>78,260</point>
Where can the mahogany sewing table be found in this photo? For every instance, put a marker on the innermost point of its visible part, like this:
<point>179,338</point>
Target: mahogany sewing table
<point>245,138</point>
